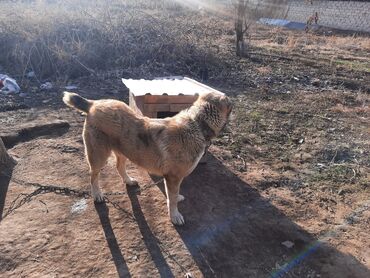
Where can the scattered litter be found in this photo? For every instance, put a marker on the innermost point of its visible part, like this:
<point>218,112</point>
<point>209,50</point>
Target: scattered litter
<point>31,74</point>
<point>22,95</point>
<point>46,100</point>
<point>285,23</point>
<point>46,86</point>
<point>288,244</point>
<point>8,85</point>
<point>71,87</point>
<point>189,275</point>
<point>295,78</point>
<point>272,21</point>
<point>300,141</point>
<point>79,206</point>
<point>321,165</point>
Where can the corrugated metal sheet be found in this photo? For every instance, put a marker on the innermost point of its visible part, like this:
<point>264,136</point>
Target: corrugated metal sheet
<point>172,86</point>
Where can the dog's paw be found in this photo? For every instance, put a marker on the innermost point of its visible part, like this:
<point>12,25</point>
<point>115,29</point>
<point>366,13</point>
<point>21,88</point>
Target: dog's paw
<point>180,198</point>
<point>177,218</point>
<point>131,182</point>
<point>98,196</point>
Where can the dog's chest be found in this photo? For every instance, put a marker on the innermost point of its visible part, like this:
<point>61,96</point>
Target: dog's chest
<point>199,157</point>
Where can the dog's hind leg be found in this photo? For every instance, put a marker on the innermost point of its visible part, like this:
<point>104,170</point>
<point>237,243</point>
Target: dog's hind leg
<point>172,185</point>
<point>97,152</point>
<point>121,168</point>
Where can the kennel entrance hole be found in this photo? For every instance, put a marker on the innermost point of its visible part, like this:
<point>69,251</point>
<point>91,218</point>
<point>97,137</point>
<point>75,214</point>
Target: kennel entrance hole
<point>165,114</point>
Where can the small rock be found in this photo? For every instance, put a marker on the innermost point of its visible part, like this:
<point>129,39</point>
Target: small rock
<point>288,244</point>
<point>46,86</point>
<point>315,82</point>
<point>227,156</point>
<point>133,258</point>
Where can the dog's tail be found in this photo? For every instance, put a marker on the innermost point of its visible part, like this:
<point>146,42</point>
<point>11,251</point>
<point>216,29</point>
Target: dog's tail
<point>78,102</point>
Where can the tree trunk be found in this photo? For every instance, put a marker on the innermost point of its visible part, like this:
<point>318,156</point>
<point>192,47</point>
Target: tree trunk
<point>6,161</point>
<point>239,27</point>
<point>7,164</point>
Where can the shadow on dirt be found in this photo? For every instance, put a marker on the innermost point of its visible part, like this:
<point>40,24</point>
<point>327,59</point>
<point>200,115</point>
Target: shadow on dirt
<point>7,163</point>
<point>149,238</point>
<point>117,256</point>
<point>232,231</point>
<point>4,185</point>
<point>27,133</point>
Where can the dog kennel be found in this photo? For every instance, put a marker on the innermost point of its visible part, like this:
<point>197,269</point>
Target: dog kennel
<point>164,96</point>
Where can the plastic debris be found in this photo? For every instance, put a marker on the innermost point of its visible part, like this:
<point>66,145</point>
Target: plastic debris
<point>8,85</point>
<point>284,23</point>
<point>31,74</point>
<point>46,86</point>
<point>79,206</point>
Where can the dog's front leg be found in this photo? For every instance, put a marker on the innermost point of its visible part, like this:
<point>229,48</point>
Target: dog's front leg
<point>172,185</point>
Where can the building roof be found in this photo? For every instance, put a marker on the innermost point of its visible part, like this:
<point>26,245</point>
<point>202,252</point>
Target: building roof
<point>171,85</point>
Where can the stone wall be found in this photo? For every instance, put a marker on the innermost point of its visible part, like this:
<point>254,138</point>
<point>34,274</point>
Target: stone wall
<point>346,15</point>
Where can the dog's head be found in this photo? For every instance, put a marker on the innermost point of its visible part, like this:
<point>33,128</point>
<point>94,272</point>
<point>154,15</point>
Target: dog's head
<point>214,110</point>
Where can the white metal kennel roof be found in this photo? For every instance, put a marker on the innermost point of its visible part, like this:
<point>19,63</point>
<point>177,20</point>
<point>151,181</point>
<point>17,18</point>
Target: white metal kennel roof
<point>172,86</point>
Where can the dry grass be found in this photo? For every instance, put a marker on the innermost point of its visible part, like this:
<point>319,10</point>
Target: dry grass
<point>74,38</point>
<point>350,52</point>
<point>265,70</point>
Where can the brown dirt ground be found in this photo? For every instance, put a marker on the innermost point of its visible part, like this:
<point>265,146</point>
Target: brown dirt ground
<point>294,167</point>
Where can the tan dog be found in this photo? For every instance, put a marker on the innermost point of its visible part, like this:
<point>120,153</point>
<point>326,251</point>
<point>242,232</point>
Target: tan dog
<point>170,147</point>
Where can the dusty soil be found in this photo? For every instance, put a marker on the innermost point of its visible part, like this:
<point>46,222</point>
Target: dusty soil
<point>293,169</point>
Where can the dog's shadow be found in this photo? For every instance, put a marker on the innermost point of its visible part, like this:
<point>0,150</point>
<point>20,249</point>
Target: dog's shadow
<point>232,231</point>
<point>149,238</point>
<point>119,261</point>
